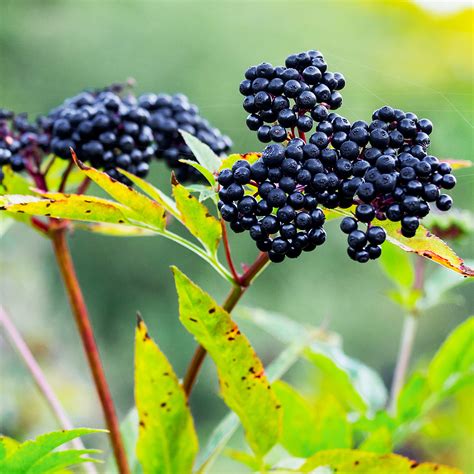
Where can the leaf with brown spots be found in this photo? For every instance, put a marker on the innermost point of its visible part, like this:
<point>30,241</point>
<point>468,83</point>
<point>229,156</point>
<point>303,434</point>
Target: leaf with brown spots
<point>150,212</point>
<point>197,218</point>
<point>424,243</point>
<point>229,161</point>
<point>167,441</point>
<point>69,206</point>
<point>354,461</point>
<point>244,385</point>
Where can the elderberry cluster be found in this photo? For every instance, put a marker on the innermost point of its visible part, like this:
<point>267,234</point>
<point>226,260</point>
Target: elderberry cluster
<point>282,215</point>
<point>170,114</point>
<point>377,171</point>
<point>20,141</point>
<point>284,98</point>
<point>105,130</point>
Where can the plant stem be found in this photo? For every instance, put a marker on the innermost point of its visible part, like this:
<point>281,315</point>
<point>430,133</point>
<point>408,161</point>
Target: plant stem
<point>229,304</point>
<point>228,254</point>
<point>42,383</point>
<point>76,299</point>
<point>410,325</point>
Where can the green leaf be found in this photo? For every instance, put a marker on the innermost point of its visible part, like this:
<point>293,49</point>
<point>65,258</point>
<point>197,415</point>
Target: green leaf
<point>15,183</point>
<point>299,436</point>
<point>397,266</point>
<point>454,360</point>
<point>345,461</point>
<point>360,384</point>
<point>244,386</point>
<point>202,152</point>
<point>159,196</point>
<point>229,424</point>
<point>167,440</point>
<point>25,458</point>
<point>379,441</point>
<point>58,460</point>
<point>70,206</point>
<point>412,397</point>
<point>197,218</point>
<point>338,381</point>
<point>150,212</point>
<point>7,446</point>
<point>437,285</point>
<point>205,192</point>
<point>207,174</point>
<point>244,458</point>
<point>307,429</point>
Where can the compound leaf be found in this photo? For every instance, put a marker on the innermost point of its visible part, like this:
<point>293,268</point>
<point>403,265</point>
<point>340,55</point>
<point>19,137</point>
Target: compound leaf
<point>26,457</point>
<point>167,441</point>
<point>244,386</point>
<point>57,460</point>
<point>346,460</point>
<point>197,218</point>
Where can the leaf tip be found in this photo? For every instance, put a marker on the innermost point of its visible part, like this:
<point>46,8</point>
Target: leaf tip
<point>76,160</point>
<point>174,180</point>
<point>139,319</point>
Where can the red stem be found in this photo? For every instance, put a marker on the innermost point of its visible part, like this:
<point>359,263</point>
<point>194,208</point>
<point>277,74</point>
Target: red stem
<point>79,309</point>
<point>229,304</point>
<point>65,176</point>
<point>228,255</point>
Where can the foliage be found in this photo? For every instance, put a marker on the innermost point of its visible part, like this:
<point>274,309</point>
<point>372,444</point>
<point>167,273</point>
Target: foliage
<point>40,455</point>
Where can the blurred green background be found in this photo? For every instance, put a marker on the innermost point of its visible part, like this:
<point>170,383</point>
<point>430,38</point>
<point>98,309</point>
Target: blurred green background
<point>390,52</point>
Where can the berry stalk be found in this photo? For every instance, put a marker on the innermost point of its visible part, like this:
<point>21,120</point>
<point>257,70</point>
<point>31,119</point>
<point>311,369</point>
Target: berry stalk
<point>79,309</point>
<point>410,325</point>
<point>229,304</point>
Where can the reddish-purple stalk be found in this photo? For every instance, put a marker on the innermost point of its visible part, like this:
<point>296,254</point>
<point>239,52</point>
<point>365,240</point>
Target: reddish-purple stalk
<point>56,230</point>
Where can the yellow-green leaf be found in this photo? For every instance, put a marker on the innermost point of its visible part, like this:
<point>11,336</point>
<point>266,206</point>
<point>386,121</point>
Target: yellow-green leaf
<point>427,245</point>
<point>244,385</point>
<point>231,159</point>
<point>345,461</point>
<point>159,196</point>
<point>412,397</point>
<point>69,206</point>
<point>197,218</point>
<point>167,441</point>
<point>14,183</point>
<point>379,441</point>
<point>424,243</point>
<point>149,211</point>
<point>114,230</point>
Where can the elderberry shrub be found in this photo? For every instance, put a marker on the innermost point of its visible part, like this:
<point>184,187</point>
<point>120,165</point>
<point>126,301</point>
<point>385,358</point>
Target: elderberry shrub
<point>21,142</point>
<point>105,130</point>
<point>291,97</point>
<point>170,114</point>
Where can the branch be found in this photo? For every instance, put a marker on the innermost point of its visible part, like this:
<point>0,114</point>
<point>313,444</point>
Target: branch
<point>78,305</point>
